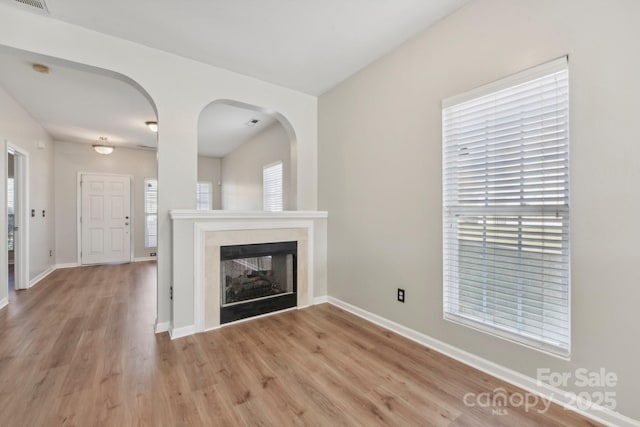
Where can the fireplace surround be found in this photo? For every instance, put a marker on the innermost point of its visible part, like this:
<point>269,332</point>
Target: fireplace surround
<point>197,239</point>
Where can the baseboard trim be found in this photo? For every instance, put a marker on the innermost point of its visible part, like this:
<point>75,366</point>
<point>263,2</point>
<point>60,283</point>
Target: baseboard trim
<point>145,258</point>
<point>595,412</point>
<point>162,327</point>
<point>185,331</point>
<point>4,302</point>
<point>320,300</point>
<point>41,276</point>
<point>68,265</point>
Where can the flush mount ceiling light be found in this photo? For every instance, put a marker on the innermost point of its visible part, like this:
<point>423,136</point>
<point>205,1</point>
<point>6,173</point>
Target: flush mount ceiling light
<point>40,68</point>
<point>103,147</point>
<point>152,125</point>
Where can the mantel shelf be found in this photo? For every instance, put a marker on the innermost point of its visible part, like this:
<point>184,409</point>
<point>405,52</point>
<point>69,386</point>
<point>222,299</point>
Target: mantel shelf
<point>189,214</point>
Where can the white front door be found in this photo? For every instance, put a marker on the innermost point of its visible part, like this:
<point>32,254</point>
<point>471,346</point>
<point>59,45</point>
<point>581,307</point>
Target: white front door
<point>105,219</point>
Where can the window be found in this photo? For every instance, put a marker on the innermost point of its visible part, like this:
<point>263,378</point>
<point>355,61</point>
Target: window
<point>272,187</point>
<point>506,208</point>
<point>150,213</point>
<point>10,213</point>
<point>203,195</point>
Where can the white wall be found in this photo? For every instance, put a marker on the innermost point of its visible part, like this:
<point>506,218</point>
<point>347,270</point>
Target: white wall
<point>71,158</point>
<point>242,169</point>
<point>18,127</point>
<point>380,174</point>
<point>209,170</point>
<point>180,89</point>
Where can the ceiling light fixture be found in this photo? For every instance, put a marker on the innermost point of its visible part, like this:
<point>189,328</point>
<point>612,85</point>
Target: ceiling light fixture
<point>40,68</point>
<point>103,147</point>
<point>152,125</point>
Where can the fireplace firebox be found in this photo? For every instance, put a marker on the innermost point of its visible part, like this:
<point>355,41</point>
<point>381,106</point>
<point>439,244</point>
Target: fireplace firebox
<point>257,279</point>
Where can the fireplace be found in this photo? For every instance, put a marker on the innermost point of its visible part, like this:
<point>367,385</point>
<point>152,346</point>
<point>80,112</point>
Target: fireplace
<point>257,279</point>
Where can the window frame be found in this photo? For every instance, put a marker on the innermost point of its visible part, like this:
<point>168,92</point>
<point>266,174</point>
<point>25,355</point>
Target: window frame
<point>147,214</point>
<point>521,211</point>
<point>265,170</point>
<point>209,185</point>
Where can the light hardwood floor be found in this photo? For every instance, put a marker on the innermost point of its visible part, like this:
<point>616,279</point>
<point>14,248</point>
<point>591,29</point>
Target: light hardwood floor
<point>79,349</point>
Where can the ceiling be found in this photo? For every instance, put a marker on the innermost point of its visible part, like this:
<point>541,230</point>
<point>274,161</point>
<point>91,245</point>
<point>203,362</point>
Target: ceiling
<point>78,105</point>
<point>223,127</point>
<point>306,45</point>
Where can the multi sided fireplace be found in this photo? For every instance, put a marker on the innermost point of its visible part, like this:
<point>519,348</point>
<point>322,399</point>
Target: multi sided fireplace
<point>257,279</point>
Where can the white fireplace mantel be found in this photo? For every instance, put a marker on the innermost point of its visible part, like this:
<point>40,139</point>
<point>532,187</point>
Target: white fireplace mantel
<point>190,228</point>
<point>184,214</point>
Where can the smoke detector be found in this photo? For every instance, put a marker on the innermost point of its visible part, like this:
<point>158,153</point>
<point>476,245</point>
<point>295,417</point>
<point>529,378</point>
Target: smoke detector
<point>38,6</point>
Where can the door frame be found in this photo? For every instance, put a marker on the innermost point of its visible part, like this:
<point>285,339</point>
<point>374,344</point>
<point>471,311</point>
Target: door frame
<point>21,217</point>
<point>132,230</point>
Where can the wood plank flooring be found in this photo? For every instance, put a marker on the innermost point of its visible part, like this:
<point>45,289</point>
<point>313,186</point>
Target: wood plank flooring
<point>79,350</point>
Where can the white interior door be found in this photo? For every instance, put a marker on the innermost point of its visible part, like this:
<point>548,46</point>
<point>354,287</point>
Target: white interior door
<point>105,219</point>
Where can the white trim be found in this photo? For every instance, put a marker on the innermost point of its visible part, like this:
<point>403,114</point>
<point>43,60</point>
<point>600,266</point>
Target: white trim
<point>4,302</point>
<point>554,394</point>
<point>259,223</point>
<point>181,332</point>
<point>41,276</point>
<point>79,213</point>
<point>541,70</point>
<point>320,300</point>
<point>145,258</point>
<point>21,188</point>
<point>67,265</point>
<point>161,327</point>
<point>190,214</point>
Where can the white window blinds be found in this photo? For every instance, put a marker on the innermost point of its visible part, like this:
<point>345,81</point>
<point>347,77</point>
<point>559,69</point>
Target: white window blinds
<point>506,208</point>
<point>272,187</point>
<point>203,196</point>
<point>150,213</point>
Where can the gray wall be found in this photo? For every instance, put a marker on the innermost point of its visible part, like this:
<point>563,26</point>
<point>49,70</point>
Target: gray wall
<point>71,158</point>
<point>380,174</point>
<point>18,127</point>
<point>209,169</point>
<point>242,169</point>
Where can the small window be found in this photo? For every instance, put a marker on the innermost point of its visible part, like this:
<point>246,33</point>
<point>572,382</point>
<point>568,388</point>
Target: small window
<point>150,213</point>
<point>272,187</point>
<point>10,213</point>
<point>203,194</point>
<point>506,208</point>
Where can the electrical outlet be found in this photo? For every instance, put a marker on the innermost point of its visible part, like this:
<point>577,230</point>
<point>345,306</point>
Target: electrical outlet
<point>152,254</point>
<point>400,295</point>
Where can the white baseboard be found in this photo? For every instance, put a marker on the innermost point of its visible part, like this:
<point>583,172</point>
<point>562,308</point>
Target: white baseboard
<point>182,332</point>
<point>162,327</point>
<point>554,394</point>
<point>4,302</point>
<point>145,258</point>
<point>320,300</point>
<point>42,275</point>
<point>68,265</point>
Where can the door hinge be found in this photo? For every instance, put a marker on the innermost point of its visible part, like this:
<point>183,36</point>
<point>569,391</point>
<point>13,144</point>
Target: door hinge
<point>171,293</point>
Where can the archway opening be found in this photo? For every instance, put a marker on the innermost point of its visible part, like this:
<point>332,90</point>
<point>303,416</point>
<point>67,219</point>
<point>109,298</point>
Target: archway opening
<point>246,158</point>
